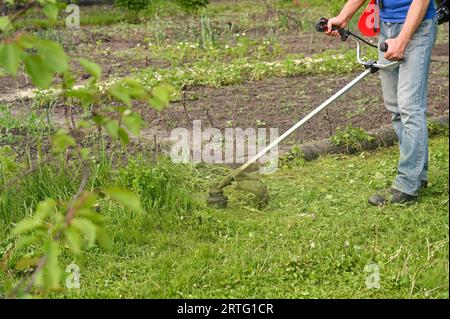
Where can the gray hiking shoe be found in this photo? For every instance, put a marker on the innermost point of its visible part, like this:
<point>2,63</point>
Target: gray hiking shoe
<point>391,196</point>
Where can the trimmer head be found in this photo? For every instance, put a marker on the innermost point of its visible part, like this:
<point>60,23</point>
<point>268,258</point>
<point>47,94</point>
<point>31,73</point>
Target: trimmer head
<point>244,183</point>
<point>217,199</point>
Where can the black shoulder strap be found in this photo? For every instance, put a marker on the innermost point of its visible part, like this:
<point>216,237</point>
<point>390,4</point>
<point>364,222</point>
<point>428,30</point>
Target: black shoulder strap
<point>442,12</point>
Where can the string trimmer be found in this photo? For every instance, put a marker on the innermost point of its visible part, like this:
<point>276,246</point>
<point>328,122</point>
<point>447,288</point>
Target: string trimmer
<point>216,194</point>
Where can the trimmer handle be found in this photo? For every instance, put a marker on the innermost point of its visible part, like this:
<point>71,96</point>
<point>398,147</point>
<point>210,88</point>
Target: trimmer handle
<point>322,26</point>
<point>383,47</point>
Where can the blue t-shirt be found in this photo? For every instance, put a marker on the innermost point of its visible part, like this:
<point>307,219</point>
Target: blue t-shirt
<point>397,10</point>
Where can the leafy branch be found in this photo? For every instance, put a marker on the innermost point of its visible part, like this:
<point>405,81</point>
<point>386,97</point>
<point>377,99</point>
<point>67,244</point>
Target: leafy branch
<point>56,225</point>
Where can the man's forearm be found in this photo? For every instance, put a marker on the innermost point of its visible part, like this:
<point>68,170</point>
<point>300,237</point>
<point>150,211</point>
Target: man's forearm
<point>350,8</point>
<point>415,16</point>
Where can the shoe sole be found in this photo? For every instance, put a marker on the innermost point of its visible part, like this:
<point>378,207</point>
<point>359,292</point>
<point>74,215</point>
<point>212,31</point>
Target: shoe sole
<point>373,203</point>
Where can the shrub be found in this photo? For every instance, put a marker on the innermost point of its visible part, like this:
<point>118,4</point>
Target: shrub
<point>186,5</point>
<point>192,5</point>
<point>134,5</point>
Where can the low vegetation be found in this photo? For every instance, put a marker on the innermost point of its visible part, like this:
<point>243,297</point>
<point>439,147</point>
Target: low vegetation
<point>314,240</point>
<point>90,192</point>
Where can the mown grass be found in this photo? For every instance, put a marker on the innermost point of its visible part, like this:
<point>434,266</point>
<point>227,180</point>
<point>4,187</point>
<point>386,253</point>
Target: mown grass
<point>314,240</point>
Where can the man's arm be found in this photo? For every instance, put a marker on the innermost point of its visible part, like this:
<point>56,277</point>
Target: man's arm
<point>346,14</point>
<point>397,46</point>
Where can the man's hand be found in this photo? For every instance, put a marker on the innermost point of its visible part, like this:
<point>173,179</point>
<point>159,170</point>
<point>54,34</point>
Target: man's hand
<point>338,22</point>
<point>347,12</point>
<point>397,46</point>
<point>396,49</point>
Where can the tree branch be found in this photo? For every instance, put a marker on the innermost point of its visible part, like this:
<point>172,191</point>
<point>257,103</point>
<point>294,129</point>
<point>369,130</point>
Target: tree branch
<point>70,213</point>
<point>30,4</point>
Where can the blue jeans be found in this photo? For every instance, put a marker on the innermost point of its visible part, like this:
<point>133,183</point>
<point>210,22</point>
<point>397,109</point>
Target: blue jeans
<point>405,95</point>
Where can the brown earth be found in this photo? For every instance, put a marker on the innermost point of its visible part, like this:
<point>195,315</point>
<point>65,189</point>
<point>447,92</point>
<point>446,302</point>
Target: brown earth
<point>98,44</point>
<point>281,102</point>
<point>274,102</point>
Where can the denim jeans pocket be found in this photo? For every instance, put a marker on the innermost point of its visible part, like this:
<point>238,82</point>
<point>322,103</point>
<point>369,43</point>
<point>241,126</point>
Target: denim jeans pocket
<point>423,33</point>
<point>425,28</point>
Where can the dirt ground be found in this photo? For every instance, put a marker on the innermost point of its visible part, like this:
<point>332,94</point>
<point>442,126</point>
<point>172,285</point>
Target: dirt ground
<point>272,103</point>
<point>281,102</point>
<point>81,45</point>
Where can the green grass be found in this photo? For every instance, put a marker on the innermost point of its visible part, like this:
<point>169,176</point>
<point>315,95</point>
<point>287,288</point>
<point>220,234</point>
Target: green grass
<point>15,128</point>
<point>312,241</point>
<point>317,234</point>
<point>248,69</point>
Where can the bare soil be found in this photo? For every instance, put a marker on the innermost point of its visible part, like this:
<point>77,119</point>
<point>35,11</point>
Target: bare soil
<point>281,102</point>
<point>274,102</point>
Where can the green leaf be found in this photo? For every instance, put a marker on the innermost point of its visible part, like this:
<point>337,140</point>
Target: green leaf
<point>99,119</point>
<point>135,88</point>
<point>161,96</point>
<point>92,68</point>
<point>83,124</point>
<point>27,40</point>
<point>68,80</point>
<point>85,96</point>
<point>45,208</point>
<point>26,263</point>
<point>85,153</point>
<point>123,136</point>
<point>5,24</point>
<point>26,240</point>
<point>51,11</point>
<point>86,201</point>
<point>53,55</point>
<point>112,128</point>
<point>41,76</point>
<point>62,141</point>
<point>73,239</point>
<point>124,197</point>
<point>52,268</point>
<point>91,215</point>
<point>121,93</point>
<point>39,281</point>
<point>26,225</point>
<point>87,228</point>
<point>133,122</point>
<point>10,57</point>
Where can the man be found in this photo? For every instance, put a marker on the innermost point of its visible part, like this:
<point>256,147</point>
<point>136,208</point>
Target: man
<point>409,28</point>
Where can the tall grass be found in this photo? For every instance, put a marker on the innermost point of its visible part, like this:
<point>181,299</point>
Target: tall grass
<point>166,190</point>
<point>19,200</point>
<point>163,188</point>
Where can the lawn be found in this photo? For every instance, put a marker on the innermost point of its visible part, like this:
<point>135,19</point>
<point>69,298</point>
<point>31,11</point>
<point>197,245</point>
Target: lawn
<point>234,64</point>
<point>318,238</point>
